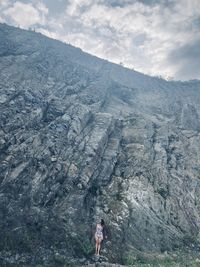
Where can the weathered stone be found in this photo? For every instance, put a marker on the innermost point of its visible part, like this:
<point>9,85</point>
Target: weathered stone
<point>83,139</point>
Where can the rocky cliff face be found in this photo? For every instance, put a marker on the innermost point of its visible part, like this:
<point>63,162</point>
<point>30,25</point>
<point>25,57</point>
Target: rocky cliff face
<point>83,139</point>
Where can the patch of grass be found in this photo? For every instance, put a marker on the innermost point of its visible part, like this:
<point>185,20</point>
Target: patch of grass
<point>195,264</point>
<point>69,265</point>
<point>155,265</point>
<point>65,265</point>
<point>129,259</point>
<point>175,259</point>
<point>82,247</point>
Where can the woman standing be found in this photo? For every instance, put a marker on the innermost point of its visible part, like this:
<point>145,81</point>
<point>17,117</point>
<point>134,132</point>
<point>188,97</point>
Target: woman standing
<point>99,235</point>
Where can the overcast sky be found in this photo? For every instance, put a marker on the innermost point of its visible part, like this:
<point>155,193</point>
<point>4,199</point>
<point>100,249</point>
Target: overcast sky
<point>156,37</point>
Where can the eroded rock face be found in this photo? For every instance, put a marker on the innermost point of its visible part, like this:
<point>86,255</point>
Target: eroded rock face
<point>83,139</point>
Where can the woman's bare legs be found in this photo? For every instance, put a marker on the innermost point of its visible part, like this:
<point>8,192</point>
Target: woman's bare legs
<point>99,246</point>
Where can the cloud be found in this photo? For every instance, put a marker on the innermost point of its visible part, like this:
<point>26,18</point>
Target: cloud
<point>55,7</point>
<point>26,15</point>
<point>117,29</point>
<point>163,25</point>
<point>42,8</point>
<point>187,60</point>
<point>3,3</point>
<point>150,36</point>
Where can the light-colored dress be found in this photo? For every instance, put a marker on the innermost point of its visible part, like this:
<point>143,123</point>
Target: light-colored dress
<point>99,231</point>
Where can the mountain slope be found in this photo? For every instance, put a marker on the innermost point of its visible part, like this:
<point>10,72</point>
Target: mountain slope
<point>81,139</point>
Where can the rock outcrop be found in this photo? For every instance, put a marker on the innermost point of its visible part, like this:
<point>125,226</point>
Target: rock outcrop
<point>83,139</point>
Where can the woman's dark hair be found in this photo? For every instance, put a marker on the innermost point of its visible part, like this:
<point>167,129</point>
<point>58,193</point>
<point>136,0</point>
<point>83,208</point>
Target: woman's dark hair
<point>102,222</point>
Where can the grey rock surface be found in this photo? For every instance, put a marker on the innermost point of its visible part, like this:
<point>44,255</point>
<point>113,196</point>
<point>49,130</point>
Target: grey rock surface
<point>83,139</point>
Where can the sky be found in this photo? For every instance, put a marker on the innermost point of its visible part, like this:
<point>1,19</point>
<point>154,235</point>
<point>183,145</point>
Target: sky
<point>156,37</point>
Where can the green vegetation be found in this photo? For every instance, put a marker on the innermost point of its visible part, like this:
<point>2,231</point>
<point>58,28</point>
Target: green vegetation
<point>167,264</point>
<point>82,247</point>
<point>178,258</point>
<point>154,265</point>
<point>69,265</point>
<point>65,265</point>
<point>175,259</point>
